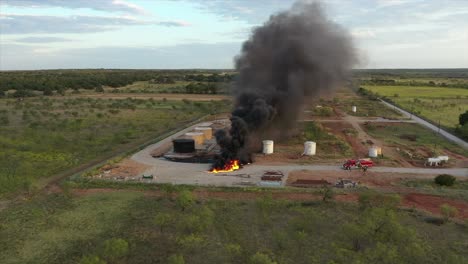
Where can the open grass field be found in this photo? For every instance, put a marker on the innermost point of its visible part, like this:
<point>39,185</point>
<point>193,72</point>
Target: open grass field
<point>130,227</point>
<point>413,139</point>
<point>42,136</point>
<point>433,103</point>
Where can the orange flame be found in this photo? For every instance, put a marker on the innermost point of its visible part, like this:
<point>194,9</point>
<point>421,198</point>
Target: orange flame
<point>232,165</point>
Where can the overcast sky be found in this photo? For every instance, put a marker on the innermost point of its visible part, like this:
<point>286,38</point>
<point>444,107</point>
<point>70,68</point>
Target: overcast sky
<point>51,34</point>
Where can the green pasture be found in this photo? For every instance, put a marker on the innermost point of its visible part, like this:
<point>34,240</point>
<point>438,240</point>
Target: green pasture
<point>129,227</point>
<point>418,91</point>
<point>442,105</point>
<point>40,137</point>
<point>412,137</point>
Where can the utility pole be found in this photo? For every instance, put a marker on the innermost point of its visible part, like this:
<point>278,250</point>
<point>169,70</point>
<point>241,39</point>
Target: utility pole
<point>438,131</point>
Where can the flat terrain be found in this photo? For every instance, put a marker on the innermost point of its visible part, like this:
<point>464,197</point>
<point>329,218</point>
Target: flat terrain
<point>66,229</point>
<point>41,137</point>
<point>105,124</point>
<point>438,104</point>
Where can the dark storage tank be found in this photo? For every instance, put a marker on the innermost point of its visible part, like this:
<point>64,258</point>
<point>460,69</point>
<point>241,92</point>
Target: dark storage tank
<point>184,145</point>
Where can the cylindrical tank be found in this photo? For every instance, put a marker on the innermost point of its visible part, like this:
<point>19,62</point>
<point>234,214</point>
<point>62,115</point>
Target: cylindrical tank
<point>267,146</point>
<point>379,151</point>
<point>183,145</point>
<point>310,148</point>
<point>207,131</point>
<point>373,152</point>
<point>354,109</point>
<point>198,137</point>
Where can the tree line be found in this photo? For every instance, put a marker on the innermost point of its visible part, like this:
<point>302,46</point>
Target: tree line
<point>48,81</point>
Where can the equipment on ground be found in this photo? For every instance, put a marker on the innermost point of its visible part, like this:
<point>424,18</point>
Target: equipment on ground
<point>345,183</point>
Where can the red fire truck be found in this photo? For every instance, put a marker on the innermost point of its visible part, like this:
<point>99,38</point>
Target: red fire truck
<point>358,163</point>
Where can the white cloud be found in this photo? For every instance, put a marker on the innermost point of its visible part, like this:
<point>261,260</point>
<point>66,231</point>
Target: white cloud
<point>100,5</point>
<point>363,33</point>
<point>41,40</point>
<point>26,24</point>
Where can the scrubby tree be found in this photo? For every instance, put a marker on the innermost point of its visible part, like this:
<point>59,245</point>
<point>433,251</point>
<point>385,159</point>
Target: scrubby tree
<point>115,248</point>
<point>92,260</point>
<point>176,259</point>
<point>327,193</point>
<point>261,258</point>
<point>445,180</point>
<point>185,199</point>
<point>463,118</point>
<point>448,211</point>
<point>163,220</point>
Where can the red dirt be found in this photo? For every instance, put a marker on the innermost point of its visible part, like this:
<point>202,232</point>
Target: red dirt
<point>432,203</point>
<point>426,202</point>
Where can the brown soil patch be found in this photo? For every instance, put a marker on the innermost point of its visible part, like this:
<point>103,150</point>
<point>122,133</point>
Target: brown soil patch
<point>368,178</point>
<point>339,128</point>
<point>125,168</point>
<point>432,203</point>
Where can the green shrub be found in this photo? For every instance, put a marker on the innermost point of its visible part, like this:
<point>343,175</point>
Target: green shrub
<point>260,258</point>
<point>445,180</point>
<point>176,259</point>
<point>185,199</point>
<point>115,248</point>
<point>448,211</point>
<point>92,260</point>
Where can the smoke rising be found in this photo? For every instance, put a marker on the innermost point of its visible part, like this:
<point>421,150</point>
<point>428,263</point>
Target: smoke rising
<point>296,54</point>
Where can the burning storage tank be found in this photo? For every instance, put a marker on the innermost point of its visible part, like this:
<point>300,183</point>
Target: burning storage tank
<point>310,148</point>
<point>267,146</point>
<point>207,132</point>
<point>183,145</point>
<point>198,137</point>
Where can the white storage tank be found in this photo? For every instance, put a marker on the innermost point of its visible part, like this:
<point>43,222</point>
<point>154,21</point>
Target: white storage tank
<point>354,109</point>
<point>198,137</point>
<point>207,131</point>
<point>310,148</point>
<point>267,146</point>
<point>373,152</point>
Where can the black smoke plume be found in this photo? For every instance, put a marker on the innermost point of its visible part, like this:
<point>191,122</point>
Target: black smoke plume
<point>296,54</point>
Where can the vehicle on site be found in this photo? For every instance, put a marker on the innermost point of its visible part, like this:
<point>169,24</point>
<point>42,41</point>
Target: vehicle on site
<point>358,164</point>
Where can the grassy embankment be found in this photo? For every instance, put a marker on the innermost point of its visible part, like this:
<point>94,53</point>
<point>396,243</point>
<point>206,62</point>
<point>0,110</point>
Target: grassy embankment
<point>433,103</point>
<point>130,227</point>
<point>40,137</point>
